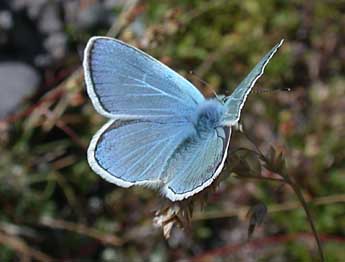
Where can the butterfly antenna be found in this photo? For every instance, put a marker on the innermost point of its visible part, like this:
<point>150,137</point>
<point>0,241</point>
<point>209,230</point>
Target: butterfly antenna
<point>205,83</point>
<point>265,90</point>
<point>199,78</point>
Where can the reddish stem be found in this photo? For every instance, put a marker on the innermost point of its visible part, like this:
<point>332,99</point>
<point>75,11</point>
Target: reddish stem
<point>260,243</point>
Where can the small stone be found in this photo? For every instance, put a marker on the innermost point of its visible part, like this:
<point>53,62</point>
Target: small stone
<point>18,81</point>
<point>92,16</point>
<point>6,20</point>
<point>56,45</point>
<point>49,21</point>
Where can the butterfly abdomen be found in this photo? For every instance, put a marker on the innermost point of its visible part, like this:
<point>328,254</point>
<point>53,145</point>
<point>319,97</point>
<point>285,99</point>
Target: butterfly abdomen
<point>208,116</point>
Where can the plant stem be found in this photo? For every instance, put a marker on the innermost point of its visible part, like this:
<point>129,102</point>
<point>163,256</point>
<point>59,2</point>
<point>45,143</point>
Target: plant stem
<point>306,210</point>
<point>261,178</point>
<point>294,186</point>
<point>296,189</point>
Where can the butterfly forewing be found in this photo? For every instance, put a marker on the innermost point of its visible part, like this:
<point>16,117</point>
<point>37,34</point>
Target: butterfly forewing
<point>236,101</point>
<point>123,82</point>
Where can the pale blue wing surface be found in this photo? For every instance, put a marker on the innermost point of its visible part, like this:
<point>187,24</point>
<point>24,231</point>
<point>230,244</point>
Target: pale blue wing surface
<point>196,164</point>
<point>236,101</point>
<point>124,82</point>
<point>135,152</point>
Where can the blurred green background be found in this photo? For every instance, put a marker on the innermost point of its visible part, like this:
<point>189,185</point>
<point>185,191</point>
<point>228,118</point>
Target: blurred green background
<point>54,208</point>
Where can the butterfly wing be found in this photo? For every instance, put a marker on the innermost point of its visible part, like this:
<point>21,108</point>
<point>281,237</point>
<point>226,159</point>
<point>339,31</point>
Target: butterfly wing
<point>135,152</point>
<point>125,83</point>
<point>236,101</point>
<point>196,164</point>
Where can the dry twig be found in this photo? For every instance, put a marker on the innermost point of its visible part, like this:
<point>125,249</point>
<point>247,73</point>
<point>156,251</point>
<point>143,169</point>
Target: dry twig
<point>23,249</point>
<point>107,239</point>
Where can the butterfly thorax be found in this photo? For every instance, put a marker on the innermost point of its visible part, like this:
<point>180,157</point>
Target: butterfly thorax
<point>208,116</point>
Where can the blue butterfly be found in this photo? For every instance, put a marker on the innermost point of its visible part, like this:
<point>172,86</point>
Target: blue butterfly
<point>162,132</point>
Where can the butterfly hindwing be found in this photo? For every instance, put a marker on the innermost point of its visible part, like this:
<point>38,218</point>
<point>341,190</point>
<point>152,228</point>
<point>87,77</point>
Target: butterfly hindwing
<point>196,163</point>
<point>125,83</point>
<point>135,152</point>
